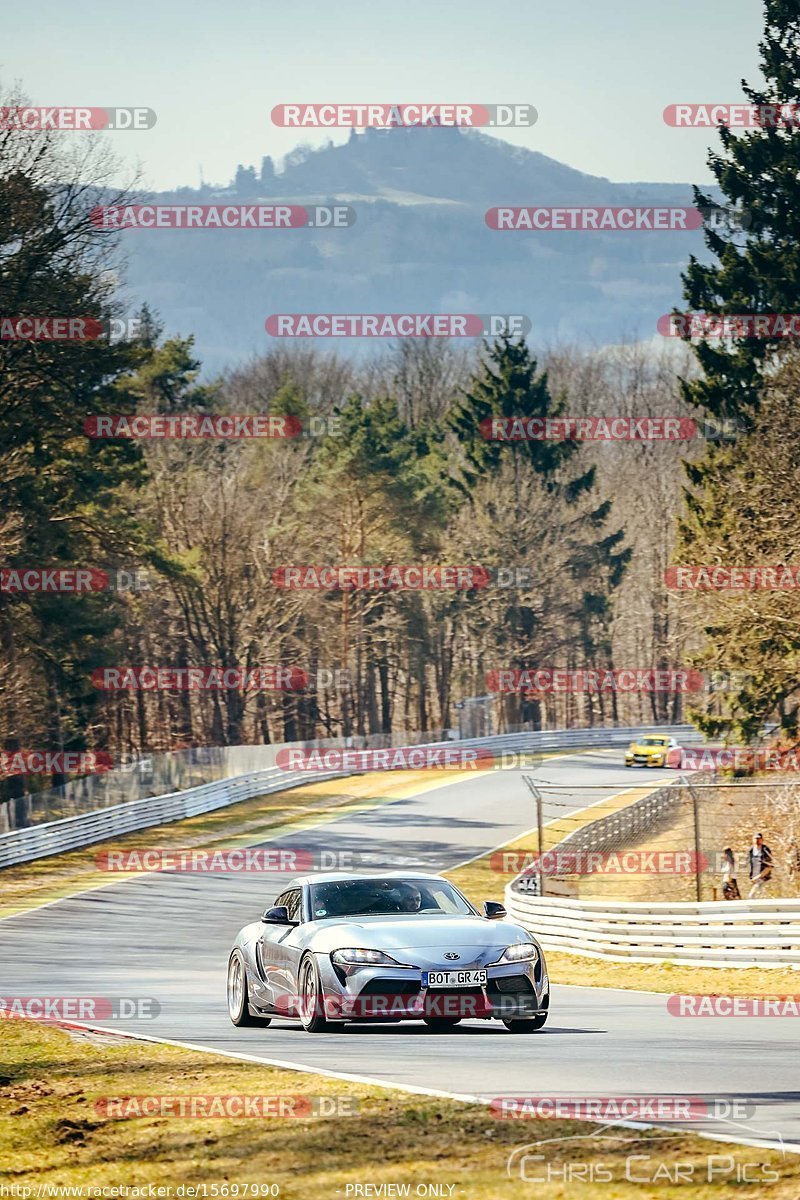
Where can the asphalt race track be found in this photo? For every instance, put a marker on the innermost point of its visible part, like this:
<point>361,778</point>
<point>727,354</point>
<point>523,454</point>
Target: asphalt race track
<point>168,936</point>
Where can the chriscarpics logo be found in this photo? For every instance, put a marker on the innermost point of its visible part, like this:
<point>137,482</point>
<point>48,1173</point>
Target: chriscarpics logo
<point>657,1159</point>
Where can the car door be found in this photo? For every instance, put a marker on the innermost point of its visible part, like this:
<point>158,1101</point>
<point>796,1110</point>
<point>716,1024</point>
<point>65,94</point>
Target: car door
<point>281,951</point>
<point>292,945</point>
<point>272,957</point>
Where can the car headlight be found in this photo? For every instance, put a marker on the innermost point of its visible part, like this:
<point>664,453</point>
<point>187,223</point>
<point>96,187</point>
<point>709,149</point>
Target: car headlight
<point>520,952</point>
<point>355,957</point>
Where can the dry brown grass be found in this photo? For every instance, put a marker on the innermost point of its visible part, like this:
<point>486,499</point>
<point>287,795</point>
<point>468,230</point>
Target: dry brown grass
<point>51,1132</point>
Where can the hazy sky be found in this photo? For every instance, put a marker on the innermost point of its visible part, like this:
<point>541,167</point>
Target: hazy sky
<point>599,74</point>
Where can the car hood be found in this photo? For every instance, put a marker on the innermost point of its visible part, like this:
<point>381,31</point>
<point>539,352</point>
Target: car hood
<point>638,748</point>
<point>415,932</point>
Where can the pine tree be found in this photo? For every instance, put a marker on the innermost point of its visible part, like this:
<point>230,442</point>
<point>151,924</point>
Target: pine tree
<point>67,501</point>
<point>593,561</point>
<point>507,385</point>
<point>757,270</point>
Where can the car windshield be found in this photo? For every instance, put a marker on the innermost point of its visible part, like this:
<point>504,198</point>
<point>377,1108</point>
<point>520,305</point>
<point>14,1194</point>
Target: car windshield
<point>653,741</point>
<point>378,897</point>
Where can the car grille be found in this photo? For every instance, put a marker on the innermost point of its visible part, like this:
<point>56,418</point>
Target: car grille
<point>390,987</point>
<point>513,996</point>
<point>517,985</point>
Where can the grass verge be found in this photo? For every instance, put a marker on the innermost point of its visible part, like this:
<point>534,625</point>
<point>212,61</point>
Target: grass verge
<point>52,1134</point>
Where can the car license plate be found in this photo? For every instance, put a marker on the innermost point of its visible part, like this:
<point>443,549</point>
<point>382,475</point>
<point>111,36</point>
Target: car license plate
<point>443,979</point>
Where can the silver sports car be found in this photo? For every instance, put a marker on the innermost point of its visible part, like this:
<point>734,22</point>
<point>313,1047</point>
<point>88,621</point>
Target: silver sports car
<point>336,948</point>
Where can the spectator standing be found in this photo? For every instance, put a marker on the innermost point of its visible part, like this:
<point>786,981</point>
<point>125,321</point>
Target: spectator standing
<point>760,865</point>
<point>730,888</point>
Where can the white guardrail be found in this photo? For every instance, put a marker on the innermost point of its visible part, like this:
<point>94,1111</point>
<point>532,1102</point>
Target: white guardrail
<point>720,933</point>
<point>54,837</point>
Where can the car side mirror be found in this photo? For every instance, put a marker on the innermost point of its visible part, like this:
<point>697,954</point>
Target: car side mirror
<point>279,915</point>
<point>494,911</point>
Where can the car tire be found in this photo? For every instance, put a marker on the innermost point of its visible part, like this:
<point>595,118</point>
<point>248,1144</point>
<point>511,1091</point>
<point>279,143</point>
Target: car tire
<point>529,1025</point>
<point>238,993</point>
<point>442,1024</point>
<point>312,997</point>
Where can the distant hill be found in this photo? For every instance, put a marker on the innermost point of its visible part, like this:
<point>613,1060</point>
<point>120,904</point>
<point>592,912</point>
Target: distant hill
<point>420,244</point>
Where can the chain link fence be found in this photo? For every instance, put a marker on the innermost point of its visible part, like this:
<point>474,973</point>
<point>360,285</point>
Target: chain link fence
<point>687,841</point>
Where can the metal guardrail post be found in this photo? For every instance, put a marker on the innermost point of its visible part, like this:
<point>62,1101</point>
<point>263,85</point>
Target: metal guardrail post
<point>698,883</point>
<point>537,795</point>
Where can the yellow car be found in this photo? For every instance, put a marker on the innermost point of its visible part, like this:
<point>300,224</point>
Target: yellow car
<point>650,751</point>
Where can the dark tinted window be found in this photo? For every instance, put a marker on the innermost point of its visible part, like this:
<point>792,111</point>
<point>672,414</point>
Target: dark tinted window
<point>377,897</point>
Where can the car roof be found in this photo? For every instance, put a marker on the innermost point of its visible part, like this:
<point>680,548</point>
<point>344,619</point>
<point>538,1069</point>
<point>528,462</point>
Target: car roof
<point>353,876</point>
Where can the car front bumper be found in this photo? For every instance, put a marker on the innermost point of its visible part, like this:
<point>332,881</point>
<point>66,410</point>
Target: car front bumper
<point>513,990</point>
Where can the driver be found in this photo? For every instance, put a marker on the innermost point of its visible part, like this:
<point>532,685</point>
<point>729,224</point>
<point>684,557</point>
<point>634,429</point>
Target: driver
<point>410,898</point>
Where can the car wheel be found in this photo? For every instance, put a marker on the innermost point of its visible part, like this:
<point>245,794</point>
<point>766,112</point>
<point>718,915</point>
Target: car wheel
<point>312,998</point>
<point>442,1024</point>
<point>526,1026</point>
<point>239,993</point>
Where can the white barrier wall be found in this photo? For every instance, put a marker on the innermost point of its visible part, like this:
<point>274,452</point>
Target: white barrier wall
<point>722,933</point>
<point>84,829</point>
